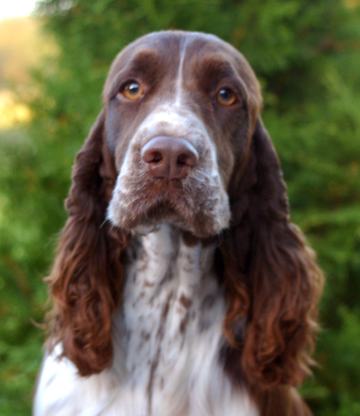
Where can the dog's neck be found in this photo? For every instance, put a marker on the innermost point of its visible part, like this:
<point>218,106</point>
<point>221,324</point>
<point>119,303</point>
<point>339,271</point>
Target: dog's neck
<point>167,256</point>
<point>169,278</point>
<point>171,317</point>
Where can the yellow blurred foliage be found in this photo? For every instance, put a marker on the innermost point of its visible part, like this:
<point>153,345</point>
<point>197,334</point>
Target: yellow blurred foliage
<point>12,112</point>
<point>22,44</point>
<point>352,3</point>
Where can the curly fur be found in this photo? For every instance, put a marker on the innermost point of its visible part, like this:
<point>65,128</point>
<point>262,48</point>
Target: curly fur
<point>271,276</point>
<point>87,277</point>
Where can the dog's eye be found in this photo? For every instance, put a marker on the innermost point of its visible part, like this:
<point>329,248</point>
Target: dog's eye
<point>226,97</point>
<point>133,90</point>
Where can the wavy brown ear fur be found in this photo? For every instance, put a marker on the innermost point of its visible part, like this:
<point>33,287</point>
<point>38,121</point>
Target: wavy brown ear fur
<point>86,278</point>
<point>272,280</point>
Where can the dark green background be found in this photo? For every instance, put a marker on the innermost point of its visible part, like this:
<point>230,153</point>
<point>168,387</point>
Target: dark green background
<point>306,55</point>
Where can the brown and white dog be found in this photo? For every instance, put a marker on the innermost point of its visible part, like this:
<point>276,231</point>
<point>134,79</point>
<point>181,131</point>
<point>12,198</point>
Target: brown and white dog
<point>180,286</point>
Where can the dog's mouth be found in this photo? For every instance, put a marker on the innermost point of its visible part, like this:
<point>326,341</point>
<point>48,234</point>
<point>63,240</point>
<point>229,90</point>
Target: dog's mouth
<point>191,205</point>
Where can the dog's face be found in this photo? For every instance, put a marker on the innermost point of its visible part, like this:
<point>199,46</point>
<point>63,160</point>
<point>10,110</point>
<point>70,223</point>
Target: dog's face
<point>180,110</point>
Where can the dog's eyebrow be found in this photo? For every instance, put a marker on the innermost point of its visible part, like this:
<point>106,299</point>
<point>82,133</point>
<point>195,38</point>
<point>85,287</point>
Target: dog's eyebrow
<point>144,57</point>
<point>217,64</point>
<point>142,61</point>
<point>216,67</point>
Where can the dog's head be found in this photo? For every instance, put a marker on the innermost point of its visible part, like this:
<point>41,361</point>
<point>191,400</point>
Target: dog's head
<point>180,111</point>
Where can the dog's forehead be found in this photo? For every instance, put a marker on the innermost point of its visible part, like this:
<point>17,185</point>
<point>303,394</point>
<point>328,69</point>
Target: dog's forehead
<point>170,41</point>
<point>171,45</point>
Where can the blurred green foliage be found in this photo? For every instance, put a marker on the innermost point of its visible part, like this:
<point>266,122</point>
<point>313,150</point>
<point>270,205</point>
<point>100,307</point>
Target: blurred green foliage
<point>306,55</point>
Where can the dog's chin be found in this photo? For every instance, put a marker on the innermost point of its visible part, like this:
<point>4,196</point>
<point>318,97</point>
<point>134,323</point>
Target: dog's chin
<point>145,218</point>
<point>193,207</point>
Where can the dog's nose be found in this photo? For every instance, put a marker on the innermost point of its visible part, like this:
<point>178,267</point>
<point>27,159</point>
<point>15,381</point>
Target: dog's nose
<point>169,157</point>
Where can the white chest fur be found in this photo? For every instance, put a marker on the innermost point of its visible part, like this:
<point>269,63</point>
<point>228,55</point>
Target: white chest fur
<point>167,338</point>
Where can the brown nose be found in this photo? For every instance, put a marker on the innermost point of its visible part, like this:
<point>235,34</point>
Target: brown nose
<point>169,157</point>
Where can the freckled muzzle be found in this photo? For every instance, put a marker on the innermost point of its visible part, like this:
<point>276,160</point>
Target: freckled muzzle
<point>170,174</point>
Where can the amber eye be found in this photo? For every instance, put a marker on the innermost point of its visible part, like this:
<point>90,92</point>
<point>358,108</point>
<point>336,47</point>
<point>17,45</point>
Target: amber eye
<point>132,90</point>
<point>226,97</point>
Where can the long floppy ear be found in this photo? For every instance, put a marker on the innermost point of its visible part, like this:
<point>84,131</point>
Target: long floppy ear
<point>272,280</point>
<point>86,278</point>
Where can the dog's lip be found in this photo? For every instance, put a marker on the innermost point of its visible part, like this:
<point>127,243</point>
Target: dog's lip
<point>165,189</point>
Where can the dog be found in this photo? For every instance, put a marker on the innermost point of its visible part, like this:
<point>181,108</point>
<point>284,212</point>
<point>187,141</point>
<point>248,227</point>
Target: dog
<point>180,287</point>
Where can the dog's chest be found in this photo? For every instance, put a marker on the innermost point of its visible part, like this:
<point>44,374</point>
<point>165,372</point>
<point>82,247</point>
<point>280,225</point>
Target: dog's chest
<point>172,317</point>
<point>171,335</point>
<point>167,339</point>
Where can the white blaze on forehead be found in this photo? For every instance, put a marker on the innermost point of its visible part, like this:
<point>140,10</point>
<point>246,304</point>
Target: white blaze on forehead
<point>179,79</point>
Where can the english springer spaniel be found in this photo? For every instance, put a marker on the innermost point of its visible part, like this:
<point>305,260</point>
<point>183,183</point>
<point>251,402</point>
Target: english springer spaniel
<point>180,287</point>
